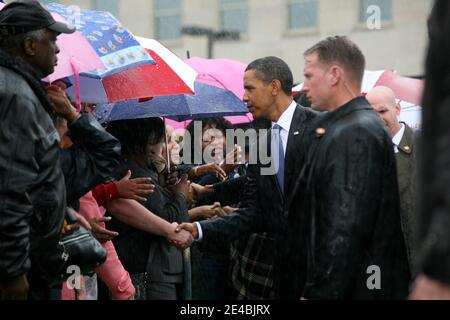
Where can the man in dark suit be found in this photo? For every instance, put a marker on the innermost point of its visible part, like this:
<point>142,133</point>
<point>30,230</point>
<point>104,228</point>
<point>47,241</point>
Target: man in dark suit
<point>347,201</point>
<point>382,99</point>
<point>267,83</point>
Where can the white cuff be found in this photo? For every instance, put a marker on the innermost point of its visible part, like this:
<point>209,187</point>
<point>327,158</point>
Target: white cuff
<point>200,232</point>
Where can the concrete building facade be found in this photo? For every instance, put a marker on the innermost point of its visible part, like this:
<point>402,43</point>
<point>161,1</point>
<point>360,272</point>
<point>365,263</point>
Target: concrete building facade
<point>391,33</point>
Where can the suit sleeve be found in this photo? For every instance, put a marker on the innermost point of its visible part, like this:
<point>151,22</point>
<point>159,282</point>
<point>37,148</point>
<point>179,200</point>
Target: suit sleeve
<point>246,220</point>
<point>227,192</point>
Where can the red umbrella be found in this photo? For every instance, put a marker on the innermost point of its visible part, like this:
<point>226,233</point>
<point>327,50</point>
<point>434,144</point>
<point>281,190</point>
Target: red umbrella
<point>153,80</point>
<point>150,80</point>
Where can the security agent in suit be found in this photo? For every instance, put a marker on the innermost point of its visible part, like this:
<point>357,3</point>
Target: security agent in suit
<point>382,99</point>
<point>267,83</point>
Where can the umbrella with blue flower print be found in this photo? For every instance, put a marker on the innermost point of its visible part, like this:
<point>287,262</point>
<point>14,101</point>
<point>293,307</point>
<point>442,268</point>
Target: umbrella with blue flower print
<point>117,48</point>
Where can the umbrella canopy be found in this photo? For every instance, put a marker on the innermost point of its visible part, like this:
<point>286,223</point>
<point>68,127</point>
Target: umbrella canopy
<point>223,73</point>
<point>119,51</point>
<point>171,70</point>
<point>408,92</point>
<point>208,101</point>
<point>247,118</point>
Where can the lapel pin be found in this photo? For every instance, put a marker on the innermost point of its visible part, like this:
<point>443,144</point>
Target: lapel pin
<point>296,133</point>
<point>407,148</point>
<point>320,131</point>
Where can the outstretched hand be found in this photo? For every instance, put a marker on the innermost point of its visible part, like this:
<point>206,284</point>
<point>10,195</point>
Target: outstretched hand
<point>181,239</point>
<point>100,232</point>
<point>202,190</point>
<point>134,189</point>
<point>190,227</point>
<point>232,160</point>
<point>79,220</point>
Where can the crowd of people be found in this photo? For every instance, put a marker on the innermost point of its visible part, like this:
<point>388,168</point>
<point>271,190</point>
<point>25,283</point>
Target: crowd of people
<point>338,218</point>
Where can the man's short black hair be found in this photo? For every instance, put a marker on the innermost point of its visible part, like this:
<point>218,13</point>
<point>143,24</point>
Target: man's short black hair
<point>272,68</point>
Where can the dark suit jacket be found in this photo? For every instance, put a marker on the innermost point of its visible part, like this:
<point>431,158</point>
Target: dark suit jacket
<point>263,207</point>
<point>434,168</point>
<point>407,173</point>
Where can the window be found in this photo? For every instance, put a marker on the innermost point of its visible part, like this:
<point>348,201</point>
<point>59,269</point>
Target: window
<point>106,5</point>
<point>44,1</point>
<point>167,19</point>
<point>234,15</point>
<point>385,9</point>
<point>303,14</point>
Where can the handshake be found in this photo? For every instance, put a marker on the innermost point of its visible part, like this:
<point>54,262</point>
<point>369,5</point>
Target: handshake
<point>183,235</point>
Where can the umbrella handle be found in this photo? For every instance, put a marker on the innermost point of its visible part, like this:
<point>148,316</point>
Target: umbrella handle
<point>75,64</point>
<point>167,147</point>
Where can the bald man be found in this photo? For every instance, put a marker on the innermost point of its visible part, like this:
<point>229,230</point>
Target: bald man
<point>403,137</point>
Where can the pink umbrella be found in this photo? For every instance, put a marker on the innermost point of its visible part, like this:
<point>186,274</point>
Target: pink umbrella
<point>75,56</point>
<point>408,92</point>
<point>405,88</point>
<point>223,73</point>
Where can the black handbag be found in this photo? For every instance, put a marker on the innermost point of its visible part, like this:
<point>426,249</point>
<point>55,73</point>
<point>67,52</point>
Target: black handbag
<point>79,250</point>
<point>82,249</point>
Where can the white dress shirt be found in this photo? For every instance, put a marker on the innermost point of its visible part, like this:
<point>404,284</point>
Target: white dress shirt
<point>398,137</point>
<point>285,123</point>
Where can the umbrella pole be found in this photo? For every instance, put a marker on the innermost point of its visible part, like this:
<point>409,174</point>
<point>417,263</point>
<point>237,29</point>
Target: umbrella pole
<point>167,146</point>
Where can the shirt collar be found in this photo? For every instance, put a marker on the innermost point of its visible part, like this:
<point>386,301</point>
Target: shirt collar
<point>286,118</point>
<point>399,135</point>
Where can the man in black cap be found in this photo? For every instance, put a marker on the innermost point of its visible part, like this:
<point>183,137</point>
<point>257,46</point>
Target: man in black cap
<point>32,190</point>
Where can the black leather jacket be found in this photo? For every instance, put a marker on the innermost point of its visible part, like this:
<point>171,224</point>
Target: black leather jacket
<point>35,173</point>
<point>32,191</point>
<point>349,211</point>
<point>91,160</point>
<point>434,165</point>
